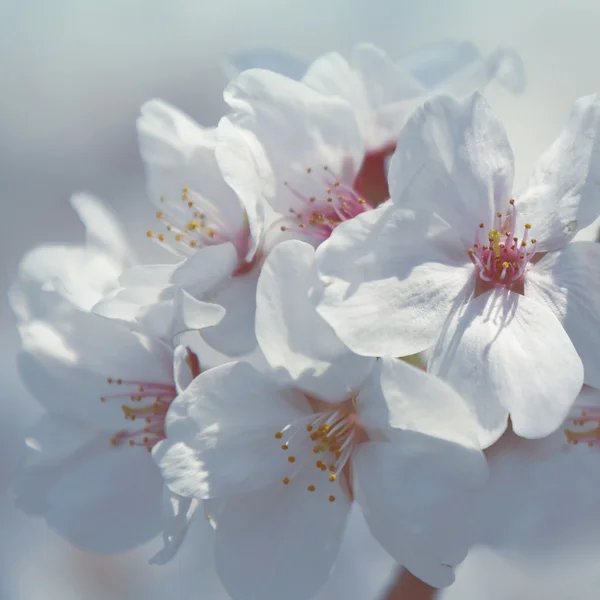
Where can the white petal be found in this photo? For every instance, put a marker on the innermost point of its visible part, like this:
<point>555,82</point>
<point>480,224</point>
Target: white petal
<point>234,335</point>
<point>390,277</point>
<point>221,432</point>
<point>178,513</point>
<point>178,152</point>
<point>293,336</point>
<point>103,228</point>
<point>66,364</point>
<point>400,396</point>
<point>453,158</point>
<point>297,532</point>
<point>506,353</point>
<point>101,498</point>
<point>245,168</point>
<point>49,276</point>
<point>299,128</point>
<point>417,496</point>
<point>561,195</point>
<point>375,88</point>
<point>567,282</point>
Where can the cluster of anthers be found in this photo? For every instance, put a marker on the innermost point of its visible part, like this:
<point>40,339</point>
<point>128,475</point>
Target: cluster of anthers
<point>149,404</point>
<point>196,223</point>
<point>332,437</point>
<point>589,422</point>
<point>502,261</point>
<point>318,217</point>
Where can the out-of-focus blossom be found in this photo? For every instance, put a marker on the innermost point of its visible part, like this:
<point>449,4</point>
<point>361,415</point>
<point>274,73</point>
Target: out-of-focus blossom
<point>79,275</point>
<point>453,263</point>
<point>106,391</point>
<point>382,93</point>
<point>283,453</point>
<point>203,219</point>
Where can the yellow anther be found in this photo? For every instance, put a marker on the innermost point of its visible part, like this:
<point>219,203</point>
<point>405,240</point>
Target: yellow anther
<point>331,498</point>
<point>159,214</point>
<point>291,459</point>
<point>191,225</point>
<point>285,481</point>
<point>150,233</point>
<point>185,189</point>
<point>527,226</point>
<point>178,237</point>
<point>505,265</point>
<point>311,488</point>
<point>278,435</point>
<point>511,202</point>
<point>332,468</point>
<point>284,446</point>
<point>309,428</point>
<point>161,237</point>
<point>332,477</point>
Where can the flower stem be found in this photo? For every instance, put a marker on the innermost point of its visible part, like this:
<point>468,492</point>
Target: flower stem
<point>408,587</point>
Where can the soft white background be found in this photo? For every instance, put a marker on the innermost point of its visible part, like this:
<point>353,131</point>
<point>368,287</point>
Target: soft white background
<point>73,74</point>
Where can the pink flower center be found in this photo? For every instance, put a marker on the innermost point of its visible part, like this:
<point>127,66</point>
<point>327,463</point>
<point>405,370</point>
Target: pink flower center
<point>146,403</point>
<point>588,427</point>
<point>502,260</point>
<point>320,215</point>
<point>328,436</point>
<point>193,223</point>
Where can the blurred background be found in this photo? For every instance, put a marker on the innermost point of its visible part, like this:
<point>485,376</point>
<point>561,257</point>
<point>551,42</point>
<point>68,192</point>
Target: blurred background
<point>73,74</point>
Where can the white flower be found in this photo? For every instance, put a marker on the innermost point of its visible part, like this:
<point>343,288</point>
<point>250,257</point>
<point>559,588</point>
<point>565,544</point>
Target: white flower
<point>79,275</point>
<point>203,219</point>
<point>464,273</point>
<point>284,453</point>
<point>105,391</point>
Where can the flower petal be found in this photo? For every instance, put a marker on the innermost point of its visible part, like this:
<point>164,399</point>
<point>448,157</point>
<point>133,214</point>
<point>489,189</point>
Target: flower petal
<point>390,276</point>
<point>299,129</point>
<point>234,334</point>
<point>178,152</point>
<point>293,336</point>
<point>561,195</point>
<point>246,170</point>
<point>400,396</point>
<point>377,90</point>
<point>567,282</point>
<point>65,364</point>
<point>297,531</point>
<point>453,158</point>
<point>50,276</point>
<point>178,512</point>
<point>100,497</point>
<point>103,228</point>
<point>417,496</point>
<point>221,432</point>
<point>506,353</point>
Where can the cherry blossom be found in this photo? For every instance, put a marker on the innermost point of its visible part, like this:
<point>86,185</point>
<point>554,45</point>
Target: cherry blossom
<point>492,282</point>
<point>282,453</point>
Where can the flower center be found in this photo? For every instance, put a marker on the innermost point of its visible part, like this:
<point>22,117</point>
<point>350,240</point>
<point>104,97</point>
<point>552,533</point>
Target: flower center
<point>588,427</point>
<point>193,223</point>
<point>329,437</point>
<point>318,216</point>
<point>147,404</point>
<point>503,259</point>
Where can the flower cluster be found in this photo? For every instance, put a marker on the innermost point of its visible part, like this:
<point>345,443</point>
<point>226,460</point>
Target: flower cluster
<point>377,322</point>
